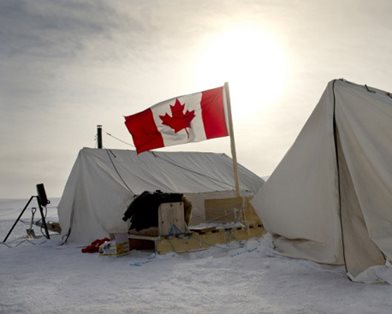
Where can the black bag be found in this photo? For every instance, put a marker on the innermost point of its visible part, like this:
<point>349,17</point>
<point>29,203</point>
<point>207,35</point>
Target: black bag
<point>143,210</point>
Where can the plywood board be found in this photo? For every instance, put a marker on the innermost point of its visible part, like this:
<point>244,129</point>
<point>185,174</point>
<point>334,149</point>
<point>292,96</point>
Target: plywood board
<point>224,209</point>
<point>171,219</point>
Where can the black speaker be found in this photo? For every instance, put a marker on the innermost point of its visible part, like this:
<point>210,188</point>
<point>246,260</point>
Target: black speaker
<point>43,200</point>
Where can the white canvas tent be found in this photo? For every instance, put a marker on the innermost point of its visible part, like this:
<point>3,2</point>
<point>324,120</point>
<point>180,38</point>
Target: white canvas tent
<point>103,182</point>
<point>330,198</point>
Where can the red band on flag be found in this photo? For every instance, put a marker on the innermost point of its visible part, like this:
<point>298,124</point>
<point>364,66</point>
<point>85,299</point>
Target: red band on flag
<point>188,118</point>
<point>213,113</point>
<point>144,131</point>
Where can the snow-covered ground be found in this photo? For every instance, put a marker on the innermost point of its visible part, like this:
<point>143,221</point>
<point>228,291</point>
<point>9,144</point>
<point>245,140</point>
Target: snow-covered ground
<point>243,277</point>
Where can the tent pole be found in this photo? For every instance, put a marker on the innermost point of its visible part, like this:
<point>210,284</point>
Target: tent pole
<point>232,141</point>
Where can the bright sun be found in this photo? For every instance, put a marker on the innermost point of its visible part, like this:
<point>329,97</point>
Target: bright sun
<point>251,61</point>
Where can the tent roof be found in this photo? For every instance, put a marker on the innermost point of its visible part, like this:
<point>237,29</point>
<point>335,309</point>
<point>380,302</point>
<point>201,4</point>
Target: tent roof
<point>182,172</point>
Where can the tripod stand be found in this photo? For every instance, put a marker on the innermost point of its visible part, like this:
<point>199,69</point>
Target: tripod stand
<point>42,202</point>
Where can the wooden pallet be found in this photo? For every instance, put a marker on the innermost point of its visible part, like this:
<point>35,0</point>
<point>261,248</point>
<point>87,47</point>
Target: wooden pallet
<point>199,240</point>
<point>221,211</point>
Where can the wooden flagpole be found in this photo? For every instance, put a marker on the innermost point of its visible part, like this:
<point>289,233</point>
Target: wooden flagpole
<point>232,141</point>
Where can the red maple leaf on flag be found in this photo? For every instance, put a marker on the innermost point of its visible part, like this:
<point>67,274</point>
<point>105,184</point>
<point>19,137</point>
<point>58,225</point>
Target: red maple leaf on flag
<point>179,120</point>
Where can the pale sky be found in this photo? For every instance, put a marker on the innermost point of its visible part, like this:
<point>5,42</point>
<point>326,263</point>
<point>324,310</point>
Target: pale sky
<point>66,66</point>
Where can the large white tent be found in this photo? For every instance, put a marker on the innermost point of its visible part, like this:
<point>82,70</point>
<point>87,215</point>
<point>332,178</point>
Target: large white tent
<point>330,198</point>
<point>103,183</point>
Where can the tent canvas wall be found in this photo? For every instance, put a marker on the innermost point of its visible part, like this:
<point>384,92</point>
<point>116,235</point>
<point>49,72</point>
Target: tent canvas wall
<point>103,182</point>
<point>330,198</point>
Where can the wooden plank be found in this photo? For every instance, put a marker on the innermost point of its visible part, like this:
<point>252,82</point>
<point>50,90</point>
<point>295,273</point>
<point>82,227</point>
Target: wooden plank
<point>152,231</point>
<point>143,237</point>
<point>250,215</point>
<point>224,209</point>
<point>171,218</point>
<point>197,241</point>
<point>179,245</point>
<point>201,229</point>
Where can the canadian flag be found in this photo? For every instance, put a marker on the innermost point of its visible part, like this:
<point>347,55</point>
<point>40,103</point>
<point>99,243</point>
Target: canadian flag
<point>190,118</point>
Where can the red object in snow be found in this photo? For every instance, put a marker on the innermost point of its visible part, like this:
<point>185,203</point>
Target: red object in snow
<point>94,246</point>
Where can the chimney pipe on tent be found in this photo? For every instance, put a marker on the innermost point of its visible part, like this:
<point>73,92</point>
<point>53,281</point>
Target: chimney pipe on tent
<point>99,136</point>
